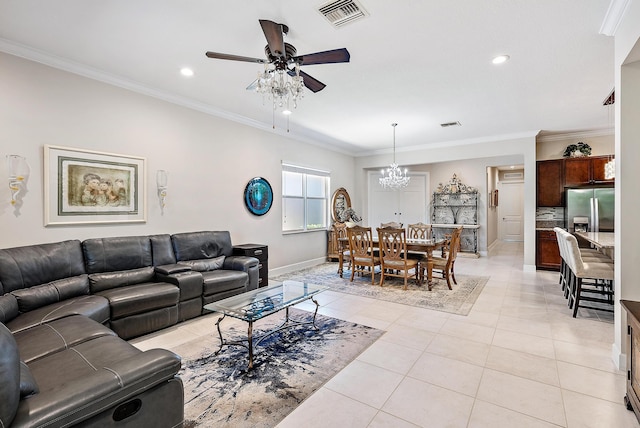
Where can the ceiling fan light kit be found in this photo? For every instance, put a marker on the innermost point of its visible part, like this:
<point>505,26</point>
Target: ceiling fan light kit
<point>282,81</point>
<point>394,178</point>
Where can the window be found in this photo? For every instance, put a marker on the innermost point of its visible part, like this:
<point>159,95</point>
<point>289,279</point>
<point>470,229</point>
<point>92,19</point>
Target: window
<point>304,199</point>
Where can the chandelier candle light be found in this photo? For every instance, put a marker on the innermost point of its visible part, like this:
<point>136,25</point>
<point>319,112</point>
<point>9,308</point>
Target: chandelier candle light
<point>393,177</point>
<point>283,86</point>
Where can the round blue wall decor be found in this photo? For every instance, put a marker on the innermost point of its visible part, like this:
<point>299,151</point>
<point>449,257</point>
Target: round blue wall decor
<point>258,196</point>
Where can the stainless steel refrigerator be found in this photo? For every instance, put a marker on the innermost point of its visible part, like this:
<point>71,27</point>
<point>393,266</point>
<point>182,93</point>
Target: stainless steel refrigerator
<point>596,204</point>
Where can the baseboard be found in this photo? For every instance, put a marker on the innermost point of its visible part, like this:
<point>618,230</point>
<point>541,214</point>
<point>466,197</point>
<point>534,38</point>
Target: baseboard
<point>619,359</point>
<point>528,268</point>
<point>297,266</point>
<point>492,245</point>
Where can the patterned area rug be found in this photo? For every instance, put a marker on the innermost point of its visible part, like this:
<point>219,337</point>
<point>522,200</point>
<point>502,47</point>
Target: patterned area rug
<point>288,366</point>
<point>460,300</point>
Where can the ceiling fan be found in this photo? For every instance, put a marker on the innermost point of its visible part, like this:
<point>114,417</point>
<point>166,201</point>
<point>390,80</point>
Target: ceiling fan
<point>283,56</point>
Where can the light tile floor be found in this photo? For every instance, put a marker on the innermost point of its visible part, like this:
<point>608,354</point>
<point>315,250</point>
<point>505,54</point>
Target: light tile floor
<point>517,360</point>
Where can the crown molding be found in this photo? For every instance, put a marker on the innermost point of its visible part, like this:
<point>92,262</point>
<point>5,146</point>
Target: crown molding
<point>73,67</point>
<point>613,18</point>
<point>605,132</point>
<point>453,143</point>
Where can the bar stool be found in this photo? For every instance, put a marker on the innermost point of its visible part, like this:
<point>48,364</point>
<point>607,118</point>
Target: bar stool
<point>587,277</point>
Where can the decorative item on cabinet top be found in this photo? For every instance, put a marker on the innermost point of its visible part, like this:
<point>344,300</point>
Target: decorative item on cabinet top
<point>579,149</point>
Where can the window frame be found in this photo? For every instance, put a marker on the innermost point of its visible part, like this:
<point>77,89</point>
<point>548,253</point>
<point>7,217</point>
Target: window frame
<point>306,171</point>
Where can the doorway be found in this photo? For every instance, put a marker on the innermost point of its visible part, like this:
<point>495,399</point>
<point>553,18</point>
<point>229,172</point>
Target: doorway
<point>407,206</point>
<point>511,211</point>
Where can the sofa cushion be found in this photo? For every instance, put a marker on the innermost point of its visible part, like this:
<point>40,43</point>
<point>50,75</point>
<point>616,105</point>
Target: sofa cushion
<point>28,385</point>
<point>204,265</point>
<point>31,265</point>
<point>94,307</point>
<point>108,280</point>
<point>56,291</point>
<point>117,254</point>
<point>162,250</point>
<point>218,281</point>
<point>55,336</point>
<point>8,308</point>
<point>201,245</point>
<point>10,375</point>
<point>140,298</point>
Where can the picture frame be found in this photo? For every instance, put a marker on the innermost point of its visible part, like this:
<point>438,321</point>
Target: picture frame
<point>258,196</point>
<point>90,187</point>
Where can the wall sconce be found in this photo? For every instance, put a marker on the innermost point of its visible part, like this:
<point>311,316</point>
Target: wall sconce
<point>18,170</point>
<point>161,181</point>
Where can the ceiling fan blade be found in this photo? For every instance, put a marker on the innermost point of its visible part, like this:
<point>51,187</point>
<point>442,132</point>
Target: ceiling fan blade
<point>326,57</point>
<point>275,39</point>
<point>217,55</point>
<point>312,83</point>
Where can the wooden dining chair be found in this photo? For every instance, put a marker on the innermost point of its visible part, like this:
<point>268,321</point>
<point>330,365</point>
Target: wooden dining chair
<point>393,255</point>
<point>392,224</point>
<point>363,258</point>
<point>340,232</point>
<point>419,231</point>
<point>446,265</point>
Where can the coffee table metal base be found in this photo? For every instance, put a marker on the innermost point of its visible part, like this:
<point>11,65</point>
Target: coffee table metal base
<point>287,323</point>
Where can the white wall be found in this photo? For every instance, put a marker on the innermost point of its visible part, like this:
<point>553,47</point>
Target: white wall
<point>209,160</point>
<point>470,161</point>
<point>627,256</point>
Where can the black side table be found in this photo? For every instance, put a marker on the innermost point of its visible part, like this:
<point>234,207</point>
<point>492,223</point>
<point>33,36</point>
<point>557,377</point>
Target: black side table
<point>260,252</point>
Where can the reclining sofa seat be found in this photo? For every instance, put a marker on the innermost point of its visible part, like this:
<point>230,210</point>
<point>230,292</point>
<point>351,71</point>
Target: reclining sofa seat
<point>121,270</point>
<point>102,381</point>
<point>210,253</point>
<point>42,283</point>
<point>59,363</point>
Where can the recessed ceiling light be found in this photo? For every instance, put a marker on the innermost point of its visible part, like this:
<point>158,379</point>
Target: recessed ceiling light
<point>500,59</point>
<point>286,112</point>
<point>186,72</point>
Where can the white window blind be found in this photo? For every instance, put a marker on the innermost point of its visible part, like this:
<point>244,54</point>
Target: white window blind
<point>304,198</point>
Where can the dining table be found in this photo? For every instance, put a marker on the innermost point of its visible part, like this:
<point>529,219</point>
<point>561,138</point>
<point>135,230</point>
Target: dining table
<point>425,246</point>
<point>603,241</point>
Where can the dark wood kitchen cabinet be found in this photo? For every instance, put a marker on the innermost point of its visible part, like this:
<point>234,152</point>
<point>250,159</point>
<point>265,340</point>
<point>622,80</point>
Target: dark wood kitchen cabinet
<point>550,183</point>
<point>260,252</point>
<point>585,171</point>
<point>547,251</point>
<point>632,399</point>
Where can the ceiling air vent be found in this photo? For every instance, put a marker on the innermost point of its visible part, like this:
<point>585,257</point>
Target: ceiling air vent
<point>342,12</point>
<point>448,124</point>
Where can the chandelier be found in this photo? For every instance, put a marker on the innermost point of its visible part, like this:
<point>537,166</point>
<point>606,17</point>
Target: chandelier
<point>393,177</point>
<point>283,86</point>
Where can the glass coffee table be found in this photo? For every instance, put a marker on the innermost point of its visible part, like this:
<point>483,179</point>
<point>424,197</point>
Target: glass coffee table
<point>257,304</point>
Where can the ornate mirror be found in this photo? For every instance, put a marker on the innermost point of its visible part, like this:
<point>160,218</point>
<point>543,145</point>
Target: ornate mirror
<point>340,202</point>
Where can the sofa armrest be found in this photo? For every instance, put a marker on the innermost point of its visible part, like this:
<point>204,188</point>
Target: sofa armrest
<point>189,282</point>
<point>83,398</point>
<point>242,263</point>
<point>172,268</point>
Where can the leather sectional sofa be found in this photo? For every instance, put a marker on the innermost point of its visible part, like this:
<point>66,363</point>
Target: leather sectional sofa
<point>67,308</point>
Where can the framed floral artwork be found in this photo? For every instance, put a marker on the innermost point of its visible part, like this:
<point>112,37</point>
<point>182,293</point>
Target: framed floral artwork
<point>89,187</point>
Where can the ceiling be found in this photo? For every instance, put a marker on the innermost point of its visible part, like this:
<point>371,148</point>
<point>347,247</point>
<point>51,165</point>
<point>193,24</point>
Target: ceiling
<point>419,64</point>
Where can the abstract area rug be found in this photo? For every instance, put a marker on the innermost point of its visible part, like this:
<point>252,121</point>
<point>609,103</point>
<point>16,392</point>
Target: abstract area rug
<point>288,366</point>
<point>459,301</point>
